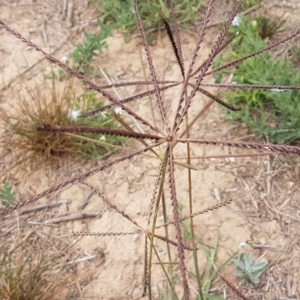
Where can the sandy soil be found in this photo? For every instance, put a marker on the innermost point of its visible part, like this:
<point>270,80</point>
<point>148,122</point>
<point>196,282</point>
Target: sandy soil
<point>265,191</point>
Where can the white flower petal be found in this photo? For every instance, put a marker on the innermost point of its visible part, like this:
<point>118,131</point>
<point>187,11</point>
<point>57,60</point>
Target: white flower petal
<point>73,114</point>
<point>243,245</point>
<point>64,59</point>
<point>277,90</point>
<point>118,110</point>
<point>236,21</point>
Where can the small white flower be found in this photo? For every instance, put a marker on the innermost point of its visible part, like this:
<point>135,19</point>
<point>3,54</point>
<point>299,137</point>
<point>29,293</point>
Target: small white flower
<point>243,245</point>
<point>73,114</point>
<point>277,90</point>
<point>64,59</point>
<point>102,138</point>
<point>118,110</point>
<point>236,21</point>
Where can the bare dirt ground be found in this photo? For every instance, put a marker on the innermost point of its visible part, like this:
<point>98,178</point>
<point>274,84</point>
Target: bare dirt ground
<point>265,190</point>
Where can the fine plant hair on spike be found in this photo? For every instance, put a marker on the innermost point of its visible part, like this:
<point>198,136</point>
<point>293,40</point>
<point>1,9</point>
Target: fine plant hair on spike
<point>172,242</point>
<point>217,99</point>
<point>222,47</point>
<point>106,131</point>
<point>235,62</point>
<point>155,190</point>
<point>146,82</point>
<point>126,100</point>
<point>214,52</point>
<point>146,269</point>
<point>156,196</point>
<point>211,56</point>
<point>174,46</point>
<point>142,141</point>
<point>111,205</point>
<point>201,37</point>
<point>201,212</point>
<point>89,233</point>
<point>201,113</point>
<point>151,67</point>
<point>176,34</point>
<point>74,180</point>
<point>239,293</point>
<point>180,248</point>
<point>228,156</point>
<point>66,68</point>
<point>255,146</point>
<point>190,69</point>
<point>252,86</point>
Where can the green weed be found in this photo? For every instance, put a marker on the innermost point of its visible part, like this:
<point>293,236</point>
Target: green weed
<point>7,195</point>
<point>84,52</point>
<point>247,270</point>
<point>271,114</point>
<point>122,16</point>
<point>119,15</point>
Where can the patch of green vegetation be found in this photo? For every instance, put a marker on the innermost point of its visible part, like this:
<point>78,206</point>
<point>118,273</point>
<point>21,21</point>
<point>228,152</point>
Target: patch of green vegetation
<point>84,52</point>
<point>273,113</point>
<point>102,145</point>
<point>119,15</point>
<point>7,195</point>
<point>249,3</point>
<point>247,270</point>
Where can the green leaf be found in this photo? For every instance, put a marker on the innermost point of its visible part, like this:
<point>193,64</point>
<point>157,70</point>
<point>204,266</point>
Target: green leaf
<point>7,195</point>
<point>239,273</point>
<point>239,263</point>
<point>248,260</point>
<point>254,279</point>
<point>258,266</point>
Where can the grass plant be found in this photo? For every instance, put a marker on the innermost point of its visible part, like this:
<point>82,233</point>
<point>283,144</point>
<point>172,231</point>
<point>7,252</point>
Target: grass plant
<point>54,105</point>
<point>28,272</point>
<point>160,136</point>
<point>268,26</point>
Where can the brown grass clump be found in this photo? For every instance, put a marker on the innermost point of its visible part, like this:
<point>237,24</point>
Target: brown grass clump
<point>28,271</point>
<point>51,103</point>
